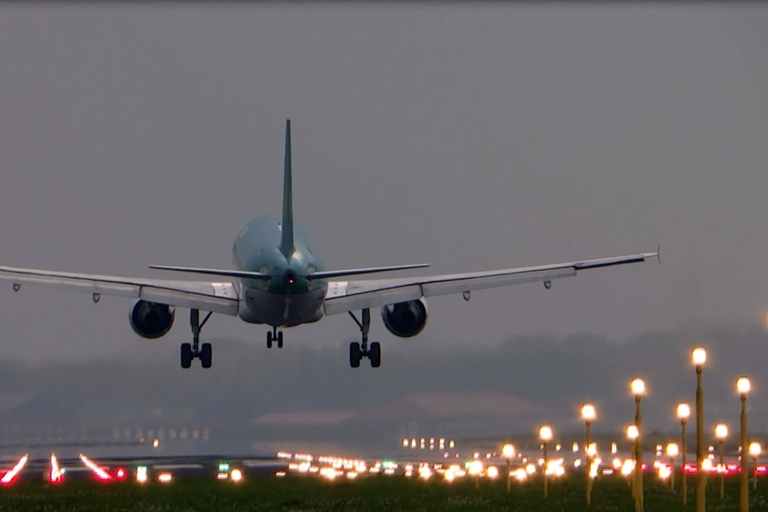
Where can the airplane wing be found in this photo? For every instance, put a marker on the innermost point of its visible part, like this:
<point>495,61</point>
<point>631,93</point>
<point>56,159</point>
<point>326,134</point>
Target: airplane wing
<point>203,295</point>
<point>346,296</point>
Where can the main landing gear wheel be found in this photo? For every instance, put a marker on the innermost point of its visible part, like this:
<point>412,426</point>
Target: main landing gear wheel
<point>276,336</point>
<point>357,351</point>
<point>354,354</point>
<point>186,355</point>
<point>192,351</point>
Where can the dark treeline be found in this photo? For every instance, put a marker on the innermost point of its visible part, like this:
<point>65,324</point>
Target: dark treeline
<point>557,373</point>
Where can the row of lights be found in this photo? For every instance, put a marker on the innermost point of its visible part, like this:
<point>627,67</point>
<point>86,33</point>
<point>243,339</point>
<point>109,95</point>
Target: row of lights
<point>634,433</point>
<point>56,472</point>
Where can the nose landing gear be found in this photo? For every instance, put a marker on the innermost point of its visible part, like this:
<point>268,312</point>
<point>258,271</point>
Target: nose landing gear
<point>275,336</point>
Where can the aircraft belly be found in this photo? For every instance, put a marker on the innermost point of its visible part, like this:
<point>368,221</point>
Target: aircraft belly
<point>263,307</point>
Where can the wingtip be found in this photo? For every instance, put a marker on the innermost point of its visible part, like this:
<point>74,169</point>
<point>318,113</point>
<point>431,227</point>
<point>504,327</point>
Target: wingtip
<point>658,253</point>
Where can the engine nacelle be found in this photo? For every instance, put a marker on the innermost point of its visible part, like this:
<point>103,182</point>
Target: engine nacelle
<point>405,319</point>
<point>150,319</point>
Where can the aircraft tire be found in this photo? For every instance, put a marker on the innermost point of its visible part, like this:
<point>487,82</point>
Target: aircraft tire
<point>269,339</point>
<point>280,339</point>
<point>354,354</point>
<point>186,355</point>
<point>206,355</point>
<point>375,354</point>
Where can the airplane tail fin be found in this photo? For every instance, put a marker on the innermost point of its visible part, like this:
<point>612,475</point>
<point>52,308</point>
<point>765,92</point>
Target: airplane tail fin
<point>286,241</point>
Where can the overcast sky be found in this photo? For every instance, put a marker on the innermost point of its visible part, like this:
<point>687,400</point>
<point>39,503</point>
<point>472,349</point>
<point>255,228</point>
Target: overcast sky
<point>469,137</point>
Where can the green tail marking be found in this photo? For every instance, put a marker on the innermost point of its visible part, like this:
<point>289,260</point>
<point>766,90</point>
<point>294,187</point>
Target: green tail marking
<point>286,242</point>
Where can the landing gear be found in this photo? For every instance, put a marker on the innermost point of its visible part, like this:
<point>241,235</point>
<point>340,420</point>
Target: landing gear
<point>357,351</point>
<point>190,351</point>
<point>276,336</point>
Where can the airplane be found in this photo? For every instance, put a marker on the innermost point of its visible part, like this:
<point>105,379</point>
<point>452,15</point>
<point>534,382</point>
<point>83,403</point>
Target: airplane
<point>279,280</point>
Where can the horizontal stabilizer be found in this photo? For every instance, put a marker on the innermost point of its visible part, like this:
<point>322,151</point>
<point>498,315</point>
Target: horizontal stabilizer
<point>245,274</point>
<point>330,274</point>
<point>242,274</point>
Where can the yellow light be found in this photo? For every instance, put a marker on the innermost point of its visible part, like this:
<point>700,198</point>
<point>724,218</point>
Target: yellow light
<point>593,468</point>
<point>754,449</point>
<point>492,472</point>
<point>328,473</point>
<point>530,469</point>
<point>721,431</point>
<point>672,450</point>
<point>521,474</point>
<point>637,386</point>
<point>706,465</point>
<point>743,385</point>
<point>155,443</point>
<point>236,475</point>
<point>588,412</point>
<point>508,451</point>
<point>683,410</point>
<point>165,477</point>
<point>699,356</point>
<point>632,432</point>
<point>280,474</point>
<point>592,449</point>
<point>545,433</point>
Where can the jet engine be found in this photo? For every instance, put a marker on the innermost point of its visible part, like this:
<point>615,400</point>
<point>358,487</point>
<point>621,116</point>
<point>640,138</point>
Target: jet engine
<point>150,319</point>
<point>405,319</point>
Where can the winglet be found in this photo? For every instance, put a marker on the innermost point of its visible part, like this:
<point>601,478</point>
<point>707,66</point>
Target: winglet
<point>286,242</point>
<point>658,253</point>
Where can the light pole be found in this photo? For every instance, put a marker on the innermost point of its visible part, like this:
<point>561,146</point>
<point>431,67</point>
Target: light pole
<point>588,414</point>
<point>638,389</point>
<point>699,357</point>
<point>754,451</point>
<point>683,412</point>
<point>721,432</point>
<point>508,451</point>
<point>633,434</point>
<point>545,433</point>
<point>672,452</point>
<point>743,385</point>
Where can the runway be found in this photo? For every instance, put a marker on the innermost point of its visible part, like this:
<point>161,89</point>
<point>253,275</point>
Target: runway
<point>130,469</point>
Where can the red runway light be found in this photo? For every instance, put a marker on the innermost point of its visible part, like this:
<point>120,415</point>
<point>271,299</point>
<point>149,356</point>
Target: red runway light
<point>98,471</point>
<point>9,476</point>
<point>120,474</point>
<point>56,474</point>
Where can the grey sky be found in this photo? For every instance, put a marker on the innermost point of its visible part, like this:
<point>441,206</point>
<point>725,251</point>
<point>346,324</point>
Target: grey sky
<point>467,137</point>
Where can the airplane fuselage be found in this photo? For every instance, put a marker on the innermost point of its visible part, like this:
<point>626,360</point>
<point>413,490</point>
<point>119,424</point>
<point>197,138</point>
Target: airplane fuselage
<point>287,299</point>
